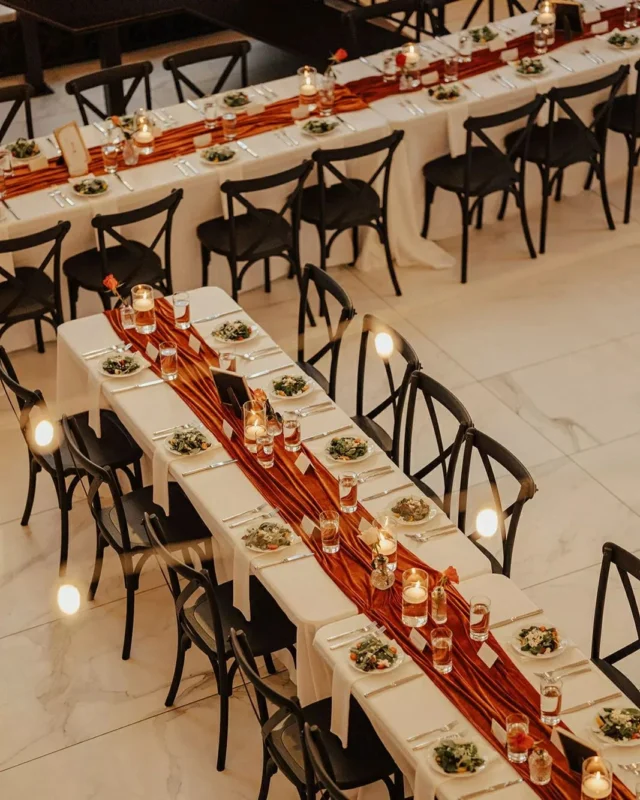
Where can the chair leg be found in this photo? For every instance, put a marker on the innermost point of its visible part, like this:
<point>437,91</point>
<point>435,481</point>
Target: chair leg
<point>268,662</point>
<point>631,163</point>
<point>479,213</point>
<point>269,769</point>
<point>74,290</point>
<point>384,237</point>
<point>137,473</point>
<point>97,567</point>
<point>223,733</point>
<point>525,223</point>
<point>31,491</point>
<point>604,194</point>
<point>206,256</point>
<point>465,239</point>
<point>429,194</point>
<point>267,276</point>
<point>235,286</point>
<point>356,245</point>
<point>177,671</point>
<point>64,532</point>
<point>128,625</point>
<point>558,194</point>
<point>545,208</point>
<point>39,340</point>
<point>503,205</point>
<point>589,181</point>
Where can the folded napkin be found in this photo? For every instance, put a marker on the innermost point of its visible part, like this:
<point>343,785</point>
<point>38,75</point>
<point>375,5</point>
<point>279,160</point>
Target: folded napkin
<point>457,114</point>
<point>162,458</point>
<point>95,380</point>
<point>103,204</point>
<point>6,259</point>
<point>233,171</point>
<point>427,781</point>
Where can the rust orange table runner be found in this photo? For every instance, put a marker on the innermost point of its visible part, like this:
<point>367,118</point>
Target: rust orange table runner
<point>176,142</point>
<point>374,88</point>
<point>478,692</point>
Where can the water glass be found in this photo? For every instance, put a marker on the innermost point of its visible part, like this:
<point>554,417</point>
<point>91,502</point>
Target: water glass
<point>110,157</point>
<point>326,96</point>
<point>631,14</point>
<point>229,123</point>
<point>479,613</point>
<point>442,649</point>
<point>292,434</point>
<point>517,727</point>
<point>144,308</point>
<point>168,360</point>
<point>210,110</point>
<point>6,164</point>
<point>265,450</point>
<point>181,311</point>
<point>3,185</point>
<point>348,487</point>
<point>127,317</point>
<point>274,425</point>
<point>415,597</point>
<point>539,40</point>
<point>450,68</point>
<point>389,68</point>
<point>540,763</point>
<point>330,531</point>
<point>550,700</point>
<point>465,46</point>
<point>227,360</point>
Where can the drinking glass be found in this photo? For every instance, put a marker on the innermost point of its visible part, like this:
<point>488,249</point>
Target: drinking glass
<point>550,700</point>
<point>517,725</point>
<point>415,597</point>
<point>479,612</point>
<point>540,763</point>
<point>181,310</point>
<point>330,531</point>
<point>3,184</point>
<point>465,46</point>
<point>210,109</point>
<point>144,308</point>
<point>450,68</point>
<point>348,487</point>
<point>6,164</point>
<point>292,434</point>
<point>326,96</point>
<point>274,425</point>
<point>110,157</point>
<point>255,424</point>
<point>597,778</point>
<point>631,14</point>
<point>169,360</point>
<point>389,69</point>
<point>229,123</point>
<point>442,649</point>
<point>265,450</point>
<point>227,360</point>
<point>539,40</point>
<point>388,542</point>
<point>127,317</point>
<point>439,605</point>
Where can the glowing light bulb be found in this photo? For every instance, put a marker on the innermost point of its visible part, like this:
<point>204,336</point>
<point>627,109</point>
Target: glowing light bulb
<point>384,345</point>
<point>43,433</point>
<point>68,599</point>
<point>487,522</point>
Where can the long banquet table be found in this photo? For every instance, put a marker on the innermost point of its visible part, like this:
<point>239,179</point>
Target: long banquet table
<point>430,131</point>
<point>310,590</point>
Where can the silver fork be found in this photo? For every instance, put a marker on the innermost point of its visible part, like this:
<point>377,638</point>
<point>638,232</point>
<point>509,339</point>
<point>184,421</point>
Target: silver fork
<point>290,138</point>
<point>443,728</point>
<point>472,90</point>
<point>255,354</point>
<point>190,166</point>
<point>317,408</point>
<point>370,474</point>
<point>632,766</point>
<point>116,348</point>
<point>166,434</point>
<point>592,56</point>
<point>56,199</point>
<point>64,197</point>
<point>408,108</point>
<point>284,139</point>
<point>263,515</point>
<point>424,745</point>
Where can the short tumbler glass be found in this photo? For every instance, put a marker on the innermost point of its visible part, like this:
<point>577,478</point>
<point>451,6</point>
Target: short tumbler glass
<point>169,360</point>
<point>348,487</point>
<point>329,522</point>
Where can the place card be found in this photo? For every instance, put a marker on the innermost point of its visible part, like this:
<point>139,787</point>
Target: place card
<point>38,163</point>
<point>308,525</point>
<point>227,429</point>
<point>499,732</point>
<point>255,108</point>
<point>194,343</point>
<point>487,655</point>
<point>203,140</point>
<point>590,15</point>
<point>302,463</point>
<point>600,27</point>
<point>152,351</point>
<point>74,151</point>
<point>509,55</point>
<point>430,77</point>
<point>365,524</point>
<point>417,639</point>
<point>497,44</point>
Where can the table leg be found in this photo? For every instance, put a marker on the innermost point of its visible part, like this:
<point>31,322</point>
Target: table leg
<point>33,55</point>
<point>111,56</point>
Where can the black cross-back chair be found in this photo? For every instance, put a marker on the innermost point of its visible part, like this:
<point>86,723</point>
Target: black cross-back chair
<point>567,141</point>
<point>206,615</point>
<point>405,18</point>
<point>116,449</point>
<point>627,565</point>
<point>130,261</point>
<point>258,234</point>
<point>324,284</point>
<point>234,51</point>
<point>438,399</point>
<point>120,524</point>
<point>491,451</point>
<point>30,294</point>
<point>364,761</point>
<point>137,73</point>
<point>512,6</point>
<point>371,327</point>
<point>483,170</point>
<point>320,764</point>
<point>18,95</point>
<point>624,119</point>
<point>351,203</point>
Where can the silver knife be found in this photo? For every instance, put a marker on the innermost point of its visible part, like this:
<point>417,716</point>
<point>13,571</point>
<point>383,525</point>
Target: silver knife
<point>489,789</point>
<point>327,433</point>
<point>269,89</point>
<point>213,465</point>
<point>9,209</point>
<point>507,82</point>
<point>195,107</point>
<point>562,64</point>
<point>369,64</point>
<point>286,560</point>
<point>344,122</point>
<point>347,642</point>
<point>124,182</point>
<point>246,148</point>
<point>244,513</point>
<point>179,166</point>
<point>216,316</point>
<point>261,515</point>
<point>420,111</point>
<point>268,371</point>
<point>393,684</point>
<point>590,703</point>
<point>504,622</point>
<point>472,90</point>
<point>290,138</point>
<point>137,386</point>
<point>387,491</point>
<point>337,636</point>
<point>99,127</point>
<point>190,166</point>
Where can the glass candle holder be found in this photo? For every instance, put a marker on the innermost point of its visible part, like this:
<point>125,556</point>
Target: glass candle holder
<point>254,423</point>
<point>597,778</point>
<point>442,649</point>
<point>329,522</point>
<point>348,489</point>
<point>127,317</point>
<point>517,728</point>
<point>450,68</point>
<point>144,308</point>
<point>415,597</point>
<point>210,110</point>
<point>540,764</point>
<point>168,360</point>
<point>479,614</point>
<point>465,46</point>
<point>412,56</point>
<point>110,154</point>
<point>143,132</point>
<point>439,605</point>
<point>181,310</point>
<point>229,125</point>
<point>265,450</point>
<point>308,86</point>
<point>550,700</point>
<point>227,360</point>
<point>388,542</point>
<point>630,14</point>
<point>292,433</point>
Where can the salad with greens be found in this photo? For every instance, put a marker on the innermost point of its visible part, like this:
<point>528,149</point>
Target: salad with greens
<point>120,365</point>
<point>268,536</point>
<point>236,331</point>
<point>457,758</point>
<point>217,155</point>
<point>347,448</point>
<point>483,35</point>
<point>290,386</point>
<point>188,442</point>
<point>411,509</point>
<point>319,126</point>
<point>372,653</point>
<point>538,640</point>
<point>90,187</point>
<point>619,724</point>
<point>236,99</point>
<point>23,148</point>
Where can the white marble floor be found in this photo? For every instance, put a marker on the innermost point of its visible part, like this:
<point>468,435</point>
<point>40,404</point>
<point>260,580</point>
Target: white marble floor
<point>543,353</point>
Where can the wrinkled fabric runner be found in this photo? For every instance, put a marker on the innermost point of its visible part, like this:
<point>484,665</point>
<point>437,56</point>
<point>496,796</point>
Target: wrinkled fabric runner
<point>480,693</point>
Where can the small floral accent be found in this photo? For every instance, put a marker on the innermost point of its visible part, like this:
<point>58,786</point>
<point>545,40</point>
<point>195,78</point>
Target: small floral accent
<point>340,55</point>
<point>401,60</point>
<point>111,283</point>
<point>522,741</point>
<point>450,575</point>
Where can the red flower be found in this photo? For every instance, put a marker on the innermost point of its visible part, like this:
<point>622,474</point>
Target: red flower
<point>401,60</point>
<point>111,283</point>
<point>450,575</point>
<point>521,741</point>
<point>340,55</point>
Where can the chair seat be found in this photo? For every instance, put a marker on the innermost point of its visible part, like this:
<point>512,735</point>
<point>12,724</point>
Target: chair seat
<point>570,144</point>
<point>315,375</point>
<point>346,206</point>
<point>364,761</point>
<point>622,114</point>
<point>37,294</point>
<point>270,235</point>
<point>85,268</point>
<point>269,630</point>
<point>375,432</point>
<point>490,172</point>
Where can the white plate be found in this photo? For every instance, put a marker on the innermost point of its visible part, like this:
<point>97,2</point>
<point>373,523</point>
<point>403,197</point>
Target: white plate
<point>533,75</point>
<point>238,107</point>
<point>623,49</point>
<point>370,451</point>
<point>433,511</point>
<point>515,643</point>
<point>255,549</point>
<point>597,733</point>
<point>395,665</point>
<point>437,768</point>
<point>215,163</point>
<point>89,196</point>
<point>212,445</point>
<point>309,389</point>
<point>445,102</point>
<point>141,361</point>
<point>255,331</point>
<point>23,160</point>
<point>324,133</point>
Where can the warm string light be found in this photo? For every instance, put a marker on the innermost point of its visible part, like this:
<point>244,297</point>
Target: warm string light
<point>384,345</point>
<point>68,599</point>
<point>487,522</point>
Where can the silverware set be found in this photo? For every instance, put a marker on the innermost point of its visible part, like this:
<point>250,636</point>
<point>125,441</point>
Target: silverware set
<point>60,198</point>
<point>212,317</point>
<point>287,138</point>
<point>195,107</point>
<point>472,90</point>
<point>516,618</point>
<point>393,684</point>
<point>316,408</point>
<point>372,474</point>
<point>166,432</point>
<point>165,117</point>
<point>362,629</point>
<point>246,148</point>
<point>433,533</point>
<point>590,703</point>
<point>268,371</point>
<point>294,557</point>
<point>373,628</point>
<point>503,82</point>
<point>370,65</point>
<point>413,108</point>
<point>490,789</point>
<point>633,766</point>
<point>123,181</point>
<point>442,729</point>
<point>254,355</point>
<point>378,495</point>
<point>186,167</point>
<point>555,673</point>
<point>99,128</point>
<point>245,513</point>
<point>207,467</point>
<point>155,382</point>
<point>564,66</point>
<point>263,515</point>
<point>317,436</point>
<point>504,28</point>
<point>346,124</point>
<point>103,351</point>
<point>54,144</point>
<point>424,745</point>
<point>9,209</point>
<point>265,91</point>
<point>181,168</point>
<point>595,59</point>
